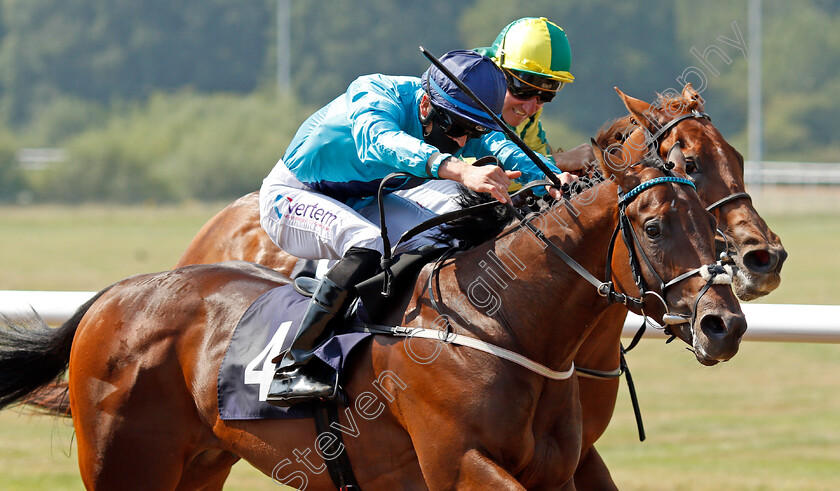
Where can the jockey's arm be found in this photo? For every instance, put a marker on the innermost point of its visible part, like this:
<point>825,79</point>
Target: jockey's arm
<point>378,118</point>
<point>514,158</point>
<point>482,179</point>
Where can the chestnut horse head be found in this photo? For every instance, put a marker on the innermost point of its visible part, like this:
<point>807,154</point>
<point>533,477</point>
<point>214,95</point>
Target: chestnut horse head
<point>668,236</point>
<point>715,167</point>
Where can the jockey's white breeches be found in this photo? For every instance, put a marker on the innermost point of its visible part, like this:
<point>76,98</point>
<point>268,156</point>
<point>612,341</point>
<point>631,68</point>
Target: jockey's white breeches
<point>311,225</point>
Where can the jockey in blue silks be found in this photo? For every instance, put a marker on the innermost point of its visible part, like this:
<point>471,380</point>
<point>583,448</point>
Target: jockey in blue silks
<point>315,202</point>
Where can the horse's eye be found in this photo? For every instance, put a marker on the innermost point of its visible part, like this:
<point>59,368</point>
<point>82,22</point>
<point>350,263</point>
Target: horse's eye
<point>691,165</point>
<point>653,230</point>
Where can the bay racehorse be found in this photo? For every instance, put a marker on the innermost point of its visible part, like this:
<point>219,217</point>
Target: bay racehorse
<point>712,163</point>
<point>144,355</point>
<point>718,171</point>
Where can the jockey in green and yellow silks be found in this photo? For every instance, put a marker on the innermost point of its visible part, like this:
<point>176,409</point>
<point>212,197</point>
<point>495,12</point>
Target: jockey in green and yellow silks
<point>535,57</point>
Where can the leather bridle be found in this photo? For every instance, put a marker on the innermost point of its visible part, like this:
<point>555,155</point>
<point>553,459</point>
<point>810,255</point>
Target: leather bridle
<point>624,227</point>
<point>653,141</point>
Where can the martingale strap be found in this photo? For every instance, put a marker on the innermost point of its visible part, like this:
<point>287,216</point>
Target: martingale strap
<point>470,342</point>
<point>634,400</point>
<point>599,374</point>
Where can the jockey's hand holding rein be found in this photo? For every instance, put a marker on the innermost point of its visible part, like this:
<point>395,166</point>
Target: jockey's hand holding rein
<point>565,178</point>
<point>490,178</point>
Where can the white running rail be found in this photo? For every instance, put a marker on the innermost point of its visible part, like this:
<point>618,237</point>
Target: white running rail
<point>767,322</point>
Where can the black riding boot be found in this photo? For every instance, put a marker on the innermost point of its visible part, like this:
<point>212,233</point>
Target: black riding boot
<point>300,378</point>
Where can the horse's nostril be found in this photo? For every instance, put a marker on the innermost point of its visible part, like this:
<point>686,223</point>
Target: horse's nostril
<point>713,326</point>
<point>760,260</point>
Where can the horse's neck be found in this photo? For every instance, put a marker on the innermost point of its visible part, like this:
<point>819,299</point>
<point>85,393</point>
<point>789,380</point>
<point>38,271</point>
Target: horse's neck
<point>541,302</point>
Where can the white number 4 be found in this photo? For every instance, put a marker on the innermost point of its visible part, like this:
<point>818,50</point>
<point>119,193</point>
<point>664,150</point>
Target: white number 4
<point>263,377</point>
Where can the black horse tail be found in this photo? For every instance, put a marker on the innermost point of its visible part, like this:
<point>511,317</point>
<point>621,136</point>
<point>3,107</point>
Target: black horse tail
<point>32,354</point>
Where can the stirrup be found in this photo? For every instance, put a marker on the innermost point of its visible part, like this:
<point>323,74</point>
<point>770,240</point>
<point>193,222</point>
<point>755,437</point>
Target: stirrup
<point>306,286</point>
<point>298,384</point>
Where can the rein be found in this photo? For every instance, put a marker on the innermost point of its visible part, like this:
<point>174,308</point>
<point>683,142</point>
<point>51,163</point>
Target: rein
<point>604,288</point>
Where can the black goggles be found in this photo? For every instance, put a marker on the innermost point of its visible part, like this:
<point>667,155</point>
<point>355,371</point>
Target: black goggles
<point>525,86</point>
<point>457,127</point>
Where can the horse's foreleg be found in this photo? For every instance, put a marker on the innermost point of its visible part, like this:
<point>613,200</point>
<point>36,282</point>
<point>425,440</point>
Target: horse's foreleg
<point>458,456</point>
<point>474,470</point>
<point>207,471</point>
<point>592,472</point>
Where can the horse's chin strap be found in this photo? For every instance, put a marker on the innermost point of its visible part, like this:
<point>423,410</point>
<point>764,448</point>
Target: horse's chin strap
<point>715,274</point>
<point>725,258</point>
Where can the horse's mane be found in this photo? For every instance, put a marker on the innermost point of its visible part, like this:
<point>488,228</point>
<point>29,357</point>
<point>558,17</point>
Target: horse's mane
<point>615,131</point>
<point>471,230</point>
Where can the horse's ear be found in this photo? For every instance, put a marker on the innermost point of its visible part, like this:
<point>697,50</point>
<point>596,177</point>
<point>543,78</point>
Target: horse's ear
<point>599,158</point>
<point>695,102</point>
<point>676,158</point>
<point>639,109</point>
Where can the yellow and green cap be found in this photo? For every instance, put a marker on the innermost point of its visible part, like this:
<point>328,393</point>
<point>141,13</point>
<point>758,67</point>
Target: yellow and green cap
<point>533,45</point>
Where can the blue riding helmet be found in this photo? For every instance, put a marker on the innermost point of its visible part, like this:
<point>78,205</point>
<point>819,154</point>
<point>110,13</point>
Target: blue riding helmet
<point>477,72</point>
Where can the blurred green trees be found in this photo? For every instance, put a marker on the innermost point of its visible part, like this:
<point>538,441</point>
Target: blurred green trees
<point>161,100</point>
<point>175,147</point>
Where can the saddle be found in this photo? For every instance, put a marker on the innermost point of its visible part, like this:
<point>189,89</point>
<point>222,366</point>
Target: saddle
<point>375,305</point>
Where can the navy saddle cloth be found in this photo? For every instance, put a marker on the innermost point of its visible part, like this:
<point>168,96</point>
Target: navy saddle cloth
<point>267,329</point>
<point>269,326</point>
